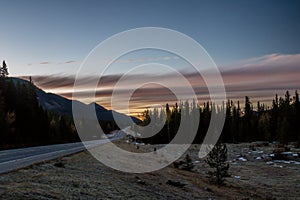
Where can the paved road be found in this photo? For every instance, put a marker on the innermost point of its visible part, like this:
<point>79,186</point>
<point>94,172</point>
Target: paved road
<point>19,158</point>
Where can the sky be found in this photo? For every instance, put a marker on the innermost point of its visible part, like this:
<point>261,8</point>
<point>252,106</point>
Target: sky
<point>254,43</point>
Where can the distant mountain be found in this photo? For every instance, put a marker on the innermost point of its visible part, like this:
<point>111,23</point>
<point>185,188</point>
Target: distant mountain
<point>63,106</point>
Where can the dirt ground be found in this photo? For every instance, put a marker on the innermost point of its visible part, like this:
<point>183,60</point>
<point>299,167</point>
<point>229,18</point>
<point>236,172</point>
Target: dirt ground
<point>253,175</point>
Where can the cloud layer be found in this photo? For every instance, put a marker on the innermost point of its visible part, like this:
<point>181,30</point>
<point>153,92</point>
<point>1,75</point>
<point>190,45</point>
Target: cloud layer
<point>259,78</point>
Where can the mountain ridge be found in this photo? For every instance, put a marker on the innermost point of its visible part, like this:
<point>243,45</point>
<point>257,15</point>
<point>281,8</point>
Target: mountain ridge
<point>55,103</point>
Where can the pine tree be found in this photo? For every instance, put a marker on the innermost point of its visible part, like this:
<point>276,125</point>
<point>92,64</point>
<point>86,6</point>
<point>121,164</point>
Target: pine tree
<point>297,116</point>
<point>217,159</point>
<point>248,111</point>
<point>188,163</point>
<point>4,70</point>
<point>248,131</point>
<point>168,111</point>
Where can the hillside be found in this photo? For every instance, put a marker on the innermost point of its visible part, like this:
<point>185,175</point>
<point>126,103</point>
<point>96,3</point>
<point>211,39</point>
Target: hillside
<point>29,116</point>
<point>63,106</point>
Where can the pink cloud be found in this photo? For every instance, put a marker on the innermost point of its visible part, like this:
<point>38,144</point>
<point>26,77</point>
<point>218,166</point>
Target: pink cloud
<point>45,63</point>
<point>259,78</point>
<point>70,61</point>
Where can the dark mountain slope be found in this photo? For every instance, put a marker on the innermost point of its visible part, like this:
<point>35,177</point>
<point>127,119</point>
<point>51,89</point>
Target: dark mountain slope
<point>63,106</point>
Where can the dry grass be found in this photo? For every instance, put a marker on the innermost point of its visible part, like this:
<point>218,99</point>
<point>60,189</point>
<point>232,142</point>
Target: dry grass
<point>83,177</point>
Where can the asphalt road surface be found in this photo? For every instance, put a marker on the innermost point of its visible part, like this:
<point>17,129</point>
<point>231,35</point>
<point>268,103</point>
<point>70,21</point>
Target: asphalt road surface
<point>19,158</point>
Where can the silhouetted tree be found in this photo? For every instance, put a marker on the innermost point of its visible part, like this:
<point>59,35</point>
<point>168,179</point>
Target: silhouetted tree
<point>217,159</point>
<point>297,116</point>
<point>280,122</point>
<point>4,70</point>
<point>189,165</point>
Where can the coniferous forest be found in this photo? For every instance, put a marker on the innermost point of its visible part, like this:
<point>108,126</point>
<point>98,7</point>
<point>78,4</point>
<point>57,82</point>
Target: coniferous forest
<point>24,123</point>
<point>278,122</point>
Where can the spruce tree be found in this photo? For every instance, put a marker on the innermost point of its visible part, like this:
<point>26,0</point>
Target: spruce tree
<point>188,163</point>
<point>217,159</point>
<point>4,70</point>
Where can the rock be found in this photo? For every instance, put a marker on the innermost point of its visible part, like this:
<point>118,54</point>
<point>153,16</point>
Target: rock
<point>59,164</point>
<point>176,183</point>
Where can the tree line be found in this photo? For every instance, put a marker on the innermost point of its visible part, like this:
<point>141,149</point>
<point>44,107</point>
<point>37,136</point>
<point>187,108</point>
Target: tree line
<point>23,122</point>
<point>278,122</point>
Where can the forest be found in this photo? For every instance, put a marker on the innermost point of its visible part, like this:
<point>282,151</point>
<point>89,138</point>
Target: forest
<point>278,122</point>
<point>24,123</point>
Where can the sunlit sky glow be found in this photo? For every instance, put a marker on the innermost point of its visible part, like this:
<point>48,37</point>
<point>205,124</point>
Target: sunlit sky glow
<point>255,44</point>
